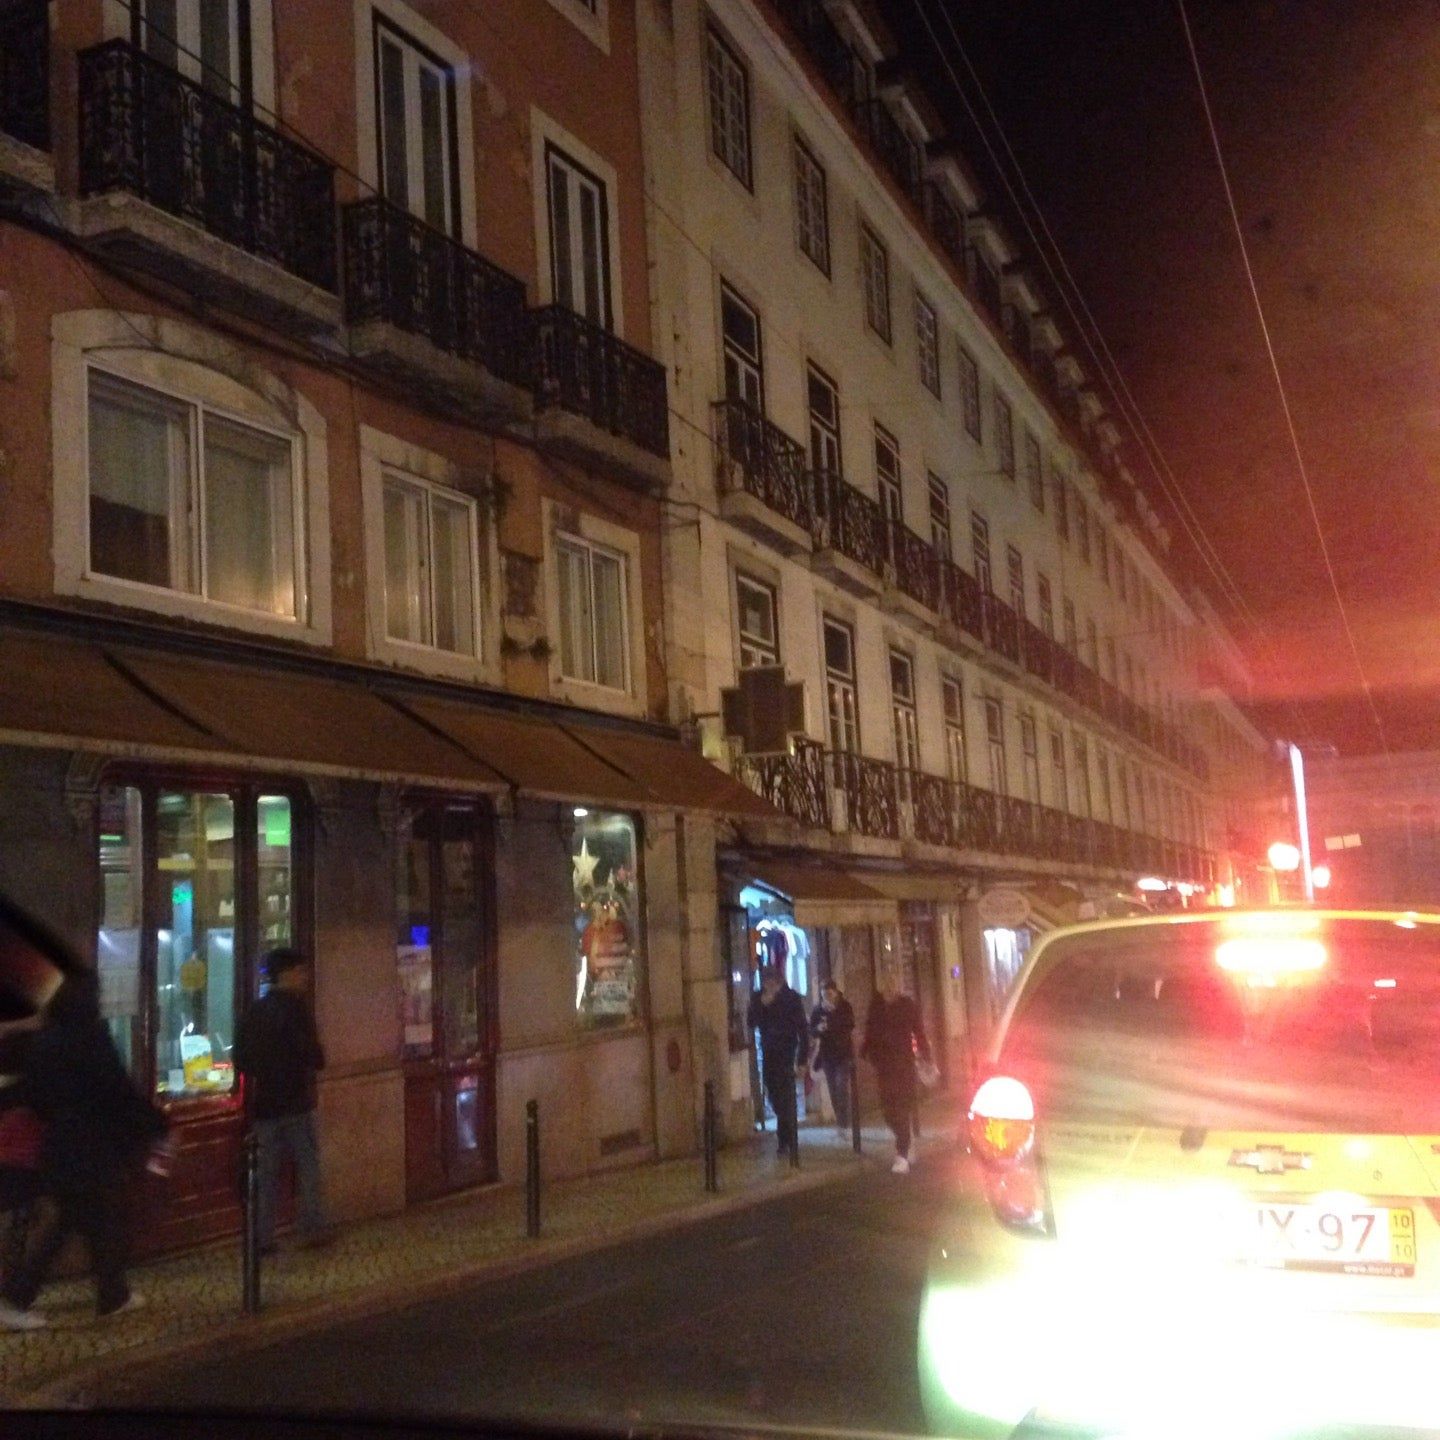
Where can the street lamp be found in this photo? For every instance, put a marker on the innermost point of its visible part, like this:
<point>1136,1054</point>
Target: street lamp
<point>1320,875</point>
<point>1284,856</point>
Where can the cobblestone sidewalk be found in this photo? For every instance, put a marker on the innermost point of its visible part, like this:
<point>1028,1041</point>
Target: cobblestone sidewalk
<point>192,1302</point>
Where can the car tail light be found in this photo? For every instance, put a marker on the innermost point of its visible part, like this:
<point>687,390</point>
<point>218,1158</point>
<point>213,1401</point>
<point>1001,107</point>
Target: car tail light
<point>1002,1120</point>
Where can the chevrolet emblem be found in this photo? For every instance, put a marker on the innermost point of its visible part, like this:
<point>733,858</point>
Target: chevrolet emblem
<point>1271,1159</point>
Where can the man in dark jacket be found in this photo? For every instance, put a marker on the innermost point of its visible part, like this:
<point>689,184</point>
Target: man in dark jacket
<point>893,1038</point>
<point>833,1024</point>
<point>96,1123</point>
<point>277,1051</point>
<point>778,1014</point>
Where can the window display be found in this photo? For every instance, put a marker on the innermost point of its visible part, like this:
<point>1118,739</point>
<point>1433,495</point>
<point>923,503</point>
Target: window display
<point>606,880</point>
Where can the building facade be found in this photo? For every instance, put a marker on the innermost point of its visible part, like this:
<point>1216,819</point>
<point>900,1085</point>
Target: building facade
<point>331,589</point>
<point>902,496</point>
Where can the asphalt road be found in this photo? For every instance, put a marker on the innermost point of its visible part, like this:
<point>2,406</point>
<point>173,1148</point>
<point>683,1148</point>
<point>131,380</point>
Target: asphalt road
<point>798,1312</point>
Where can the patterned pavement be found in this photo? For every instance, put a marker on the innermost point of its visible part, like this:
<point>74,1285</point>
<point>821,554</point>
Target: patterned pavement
<point>194,1299</point>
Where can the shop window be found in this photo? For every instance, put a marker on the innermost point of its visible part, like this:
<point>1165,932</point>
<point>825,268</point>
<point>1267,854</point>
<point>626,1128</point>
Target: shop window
<point>196,884</point>
<point>185,499</point>
<point>605,873</point>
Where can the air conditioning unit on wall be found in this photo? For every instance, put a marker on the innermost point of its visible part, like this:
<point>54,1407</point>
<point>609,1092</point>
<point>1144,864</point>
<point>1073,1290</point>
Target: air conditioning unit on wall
<point>763,710</point>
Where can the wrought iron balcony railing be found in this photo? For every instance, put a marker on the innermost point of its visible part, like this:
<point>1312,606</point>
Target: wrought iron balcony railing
<point>871,790</point>
<point>796,784</point>
<point>1002,628</point>
<point>826,46</point>
<point>582,368</point>
<point>25,72</point>
<point>896,151</point>
<point>765,461</point>
<point>916,566</point>
<point>147,130</point>
<point>947,225</point>
<point>1039,651</point>
<point>401,271</point>
<point>847,520</point>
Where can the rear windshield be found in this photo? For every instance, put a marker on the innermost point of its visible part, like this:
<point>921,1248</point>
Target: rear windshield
<point>1146,1022</point>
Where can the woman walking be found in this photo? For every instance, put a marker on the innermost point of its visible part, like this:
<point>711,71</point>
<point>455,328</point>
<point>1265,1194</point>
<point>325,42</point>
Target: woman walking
<point>894,1038</point>
<point>832,1025</point>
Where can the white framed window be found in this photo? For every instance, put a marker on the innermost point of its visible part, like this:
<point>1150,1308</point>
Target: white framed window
<point>185,497</point>
<point>1102,552</point>
<point>199,38</point>
<point>1061,490</point>
<point>1082,773</point>
<point>927,344</point>
<point>970,394</point>
<point>432,566</point>
<point>995,746</point>
<point>1122,574</point>
<point>980,550</point>
<point>940,536</point>
<point>952,699</point>
<point>812,206</point>
<point>1015,570</point>
<point>824,404</point>
<point>1030,758</point>
<point>1082,528</point>
<point>887,478</point>
<point>727,85</point>
<point>1092,644</point>
<point>1072,630</point>
<point>875,278</point>
<point>579,232</point>
<point>904,716</point>
<point>840,694</point>
<point>756,622</point>
<point>1059,778</point>
<point>1107,797</point>
<point>416,134</point>
<point>1047,605</point>
<point>1004,435</point>
<point>1034,471</point>
<point>1112,667</point>
<point>592,584</point>
<point>743,359</point>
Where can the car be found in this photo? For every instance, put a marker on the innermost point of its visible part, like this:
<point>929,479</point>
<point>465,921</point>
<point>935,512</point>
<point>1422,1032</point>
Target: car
<point>1200,1187</point>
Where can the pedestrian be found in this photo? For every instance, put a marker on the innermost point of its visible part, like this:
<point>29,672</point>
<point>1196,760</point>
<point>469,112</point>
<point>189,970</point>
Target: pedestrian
<point>778,1014</point>
<point>833,1026</point>
<point>894,1038</point>
<point>277,1054</point>
<point>96,1125</point>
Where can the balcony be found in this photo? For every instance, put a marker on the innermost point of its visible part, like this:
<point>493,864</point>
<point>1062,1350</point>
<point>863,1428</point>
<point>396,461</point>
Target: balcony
<point>1064,669</point>
<point>962,601</point>
<point>897,152</point>
<point>867,793</point>
<point>913,575</point>
<point>825,45</point>
<point>947,225</point>
<point>984,282</point>
<point>1002,629</point>
<point>763,481</point>
<point>25,95</point>
<point>1038,650</point>
<point>600,399</point>
<point>795,784</point>
<point>184,184</point>
<point>425,307</point>
<point>849,534</point>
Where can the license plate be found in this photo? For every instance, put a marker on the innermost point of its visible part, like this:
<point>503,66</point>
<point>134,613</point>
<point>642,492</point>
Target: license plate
<point>1357,1240</point>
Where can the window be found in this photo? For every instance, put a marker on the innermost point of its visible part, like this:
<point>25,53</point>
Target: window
<point>1047,605</point>
<point>1107,798</point>
<point>196,884</point>
<point>1102,552</point>
<point>940,516</point>
<point>744,366</point>
<point>1030,759</point>
<point>824,401</point>
<point>605,874</point>
<point>970,393</point>
<point>755,612</point>
<point>1004,435</point>
<point>840,686</point>
<point>927,344</point>
<point>1082,528</point>
<point>1112,667</point>
<point>729,90</point>
<point>1015,569</point>
<point>1128,667</point>
<point>887,479</point>
<point>592,584</point>
<point>952,697</point>
<point>902,711</point>
<point>980,550</point>
<point>1034,472</point>
<point>184,498</point>
<point>1092,643</point>
<point>432,569</point>
<point>1082,771</point>
<point>995,745</point>
<point>875,276</point>
<point>1072,634</point>
<point>579,237</point>
<point>1122,579</point>
<point>1062,507</point>
<point>812,207</point>
<point>417,129</point>
<point>199,38</point>
<point>1059,781</point>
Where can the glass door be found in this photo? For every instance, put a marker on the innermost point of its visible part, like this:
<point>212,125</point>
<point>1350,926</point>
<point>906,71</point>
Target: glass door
<point>444,968</point>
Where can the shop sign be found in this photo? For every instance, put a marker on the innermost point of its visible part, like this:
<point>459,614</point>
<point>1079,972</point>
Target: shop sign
<point>1004,908</point>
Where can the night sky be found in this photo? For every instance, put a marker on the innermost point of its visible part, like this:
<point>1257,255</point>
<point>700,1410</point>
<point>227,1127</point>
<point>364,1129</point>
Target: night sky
<point>1329,117</point>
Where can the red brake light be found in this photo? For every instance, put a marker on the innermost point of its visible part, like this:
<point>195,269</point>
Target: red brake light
<point>1002,1119</point>
<point>1267,959</point>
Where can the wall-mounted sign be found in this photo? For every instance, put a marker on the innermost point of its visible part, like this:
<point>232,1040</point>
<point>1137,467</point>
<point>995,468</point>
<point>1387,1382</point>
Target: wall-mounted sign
<point>1004,908</point>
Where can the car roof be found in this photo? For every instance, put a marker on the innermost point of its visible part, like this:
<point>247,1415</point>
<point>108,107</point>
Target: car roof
<point>1042,956</point>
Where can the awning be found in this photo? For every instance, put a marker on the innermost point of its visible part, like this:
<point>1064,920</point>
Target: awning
<point>673,774</point>
<point>825,895</point>
<point>54,689</point>
<point>917,885</point>
<point>308,720</point>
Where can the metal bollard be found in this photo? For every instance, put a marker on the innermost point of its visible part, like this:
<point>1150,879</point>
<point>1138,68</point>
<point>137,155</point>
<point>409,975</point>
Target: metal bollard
<point>709,1139</point>
<point>854,1105</point>
<point>532,1168</point>
<point>250,1232</point>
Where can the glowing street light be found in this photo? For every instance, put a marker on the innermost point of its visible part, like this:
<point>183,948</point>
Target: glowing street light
<point>1320,876</point>
<point>1284,856</point>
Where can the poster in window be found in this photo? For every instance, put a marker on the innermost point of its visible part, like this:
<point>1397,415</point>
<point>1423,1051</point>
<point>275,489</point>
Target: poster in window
<point>607,920</point>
